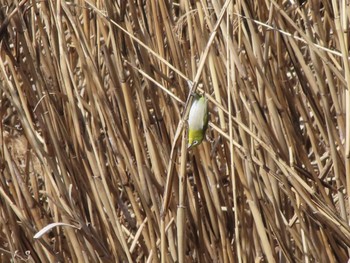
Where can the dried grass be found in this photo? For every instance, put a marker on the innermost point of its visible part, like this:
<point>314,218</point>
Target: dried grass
<point>94,100</point>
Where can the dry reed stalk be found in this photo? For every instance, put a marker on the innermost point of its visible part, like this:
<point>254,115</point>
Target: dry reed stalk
<point>94,101</point>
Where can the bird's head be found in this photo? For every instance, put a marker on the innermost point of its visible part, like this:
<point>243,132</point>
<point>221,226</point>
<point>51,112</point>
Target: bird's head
<point>195,137</point>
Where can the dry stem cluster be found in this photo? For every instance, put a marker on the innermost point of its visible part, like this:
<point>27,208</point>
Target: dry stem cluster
<point>93,103</point>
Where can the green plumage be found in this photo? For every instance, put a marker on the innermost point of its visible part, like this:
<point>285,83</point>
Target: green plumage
<point>197,121</point>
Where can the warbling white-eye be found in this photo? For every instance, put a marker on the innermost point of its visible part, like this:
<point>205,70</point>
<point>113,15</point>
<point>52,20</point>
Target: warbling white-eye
<point>197,120</point>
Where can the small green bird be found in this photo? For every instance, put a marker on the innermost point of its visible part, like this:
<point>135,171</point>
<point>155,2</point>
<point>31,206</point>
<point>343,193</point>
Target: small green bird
<point>197,120</point>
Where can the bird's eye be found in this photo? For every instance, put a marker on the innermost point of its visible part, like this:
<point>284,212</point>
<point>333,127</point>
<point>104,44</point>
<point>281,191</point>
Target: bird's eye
<point>195,142</point>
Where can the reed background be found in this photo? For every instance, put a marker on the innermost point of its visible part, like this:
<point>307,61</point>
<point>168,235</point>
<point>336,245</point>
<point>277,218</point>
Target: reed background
<point>93,98</point>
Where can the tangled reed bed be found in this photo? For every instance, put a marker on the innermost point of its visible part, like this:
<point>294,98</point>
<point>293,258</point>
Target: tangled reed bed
<point>94,98</point>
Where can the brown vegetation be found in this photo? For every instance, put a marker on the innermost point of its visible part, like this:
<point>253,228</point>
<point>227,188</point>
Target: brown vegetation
<point>94,98</point>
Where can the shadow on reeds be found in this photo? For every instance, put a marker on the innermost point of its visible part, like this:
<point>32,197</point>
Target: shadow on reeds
<point>93,100</point>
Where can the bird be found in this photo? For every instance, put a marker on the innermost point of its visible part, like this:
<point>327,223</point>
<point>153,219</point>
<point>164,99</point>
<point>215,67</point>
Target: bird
<point>197,120</point>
